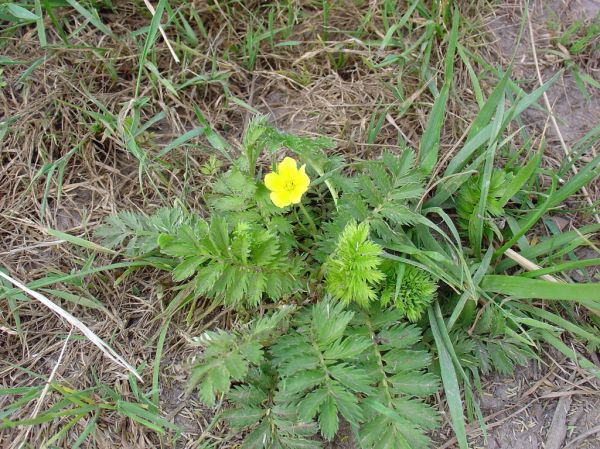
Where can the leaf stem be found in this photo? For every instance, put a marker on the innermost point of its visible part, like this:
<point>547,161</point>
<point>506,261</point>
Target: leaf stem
<point>311,223</point>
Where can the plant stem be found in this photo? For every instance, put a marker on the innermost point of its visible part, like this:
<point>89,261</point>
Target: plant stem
<point>311,223</point>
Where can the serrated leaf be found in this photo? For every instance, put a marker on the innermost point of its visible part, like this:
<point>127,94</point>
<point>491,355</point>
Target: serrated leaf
<point>351,377</point>
<point>310,405</point>
<point>347,404</point>
<point>236,365</point>
<point>418,412</point>
<point>207,393</point>
<point>329,322</point>
<point>306,380</point>
<point>417,384</point>
<point>406,360</point>
<point>187,268</point>
<point>244,417</point>
<point>328,419</point>
<point>346,348</point>
<point>259,438</point>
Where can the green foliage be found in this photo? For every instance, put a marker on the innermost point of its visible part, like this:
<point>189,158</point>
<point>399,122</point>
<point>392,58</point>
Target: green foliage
<point>330,363</point>
<point>240,198</point>
<point>394,417</point>
<point>271,423</point>
<point>469,195</point>
<point>353,269</point>
<point>489,341</point>
<point>468,198</point>
<point>410,289</point>
<point>317,363</point>
<point>382,194</point>
<point>234,265</point>
<point>80,411</point>
<point>370,265</point>
<point>353,351</point>
<point>228,356</point>
<point>138,233</point>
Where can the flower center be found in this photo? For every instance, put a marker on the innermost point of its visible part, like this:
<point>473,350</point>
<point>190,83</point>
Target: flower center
<point>289,185</point>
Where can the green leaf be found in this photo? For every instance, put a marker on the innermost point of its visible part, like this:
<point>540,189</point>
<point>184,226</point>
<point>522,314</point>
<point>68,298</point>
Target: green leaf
<point>430,140</point>
<point>450,381</point>
<point>244,417</point>
<point>79,241</point>
<point>41,28</point>
<point>476,224</point>
<point>521,178</point>
<point>330,322</point>
<point>415,383</point>
<point>19,12</point>
<point>525,288</point>
<point>328,419</point>
<point>347,348</point>
<point>149,43</point>
<point>352,272</point>
<point>305,381</point>
<point>187,268</point>
<point>530,221</point>
<point>181,140</point>
<point>552,244</point>
<point>569,352</point>
<point>91,16</point>
<point>353,378</point>
<point>583,178</point>
<point>310,405</point>
<point>560,321</point>
<point>417,412</point>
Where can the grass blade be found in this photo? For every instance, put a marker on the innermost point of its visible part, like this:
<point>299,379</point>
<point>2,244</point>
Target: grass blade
<point>91,16</point>
<point>521,178</point>
<point>41,28</point>
<point>552,244</point>
<point>430,141</point>
<point>150,39</point>
<point>80,241</point>
<point>526,288</point>
<point>156,368</point>
<point>561,322</point>
<point>182,140</point>
<point>572,265</point>
<point>531,220</point>
<point>583,178</point>
<point>450,382</point>
<point>104,347</point>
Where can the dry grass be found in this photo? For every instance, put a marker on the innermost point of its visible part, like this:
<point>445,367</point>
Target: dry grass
<point>303,87</point>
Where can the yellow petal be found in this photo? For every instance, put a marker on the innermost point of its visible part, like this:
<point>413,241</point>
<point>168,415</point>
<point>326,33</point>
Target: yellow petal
<point>303,180</point>
<point>296,196</point>
<point>273,181</point>
<point>281,198</point>
<point>287,167</point>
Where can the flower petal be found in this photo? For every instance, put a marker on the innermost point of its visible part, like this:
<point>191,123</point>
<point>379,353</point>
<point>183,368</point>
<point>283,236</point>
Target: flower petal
<point>296,196</point>
<point>281,198</point>
<point>273,181</point>
<point>303,180</point>
<point>287,167</point>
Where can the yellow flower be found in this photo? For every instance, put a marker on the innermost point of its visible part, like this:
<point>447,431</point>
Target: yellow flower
<point>288,183</point>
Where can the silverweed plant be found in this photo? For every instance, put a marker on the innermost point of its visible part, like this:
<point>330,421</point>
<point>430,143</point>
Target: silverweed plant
<point>354,292</point>
<point>350,353</point>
